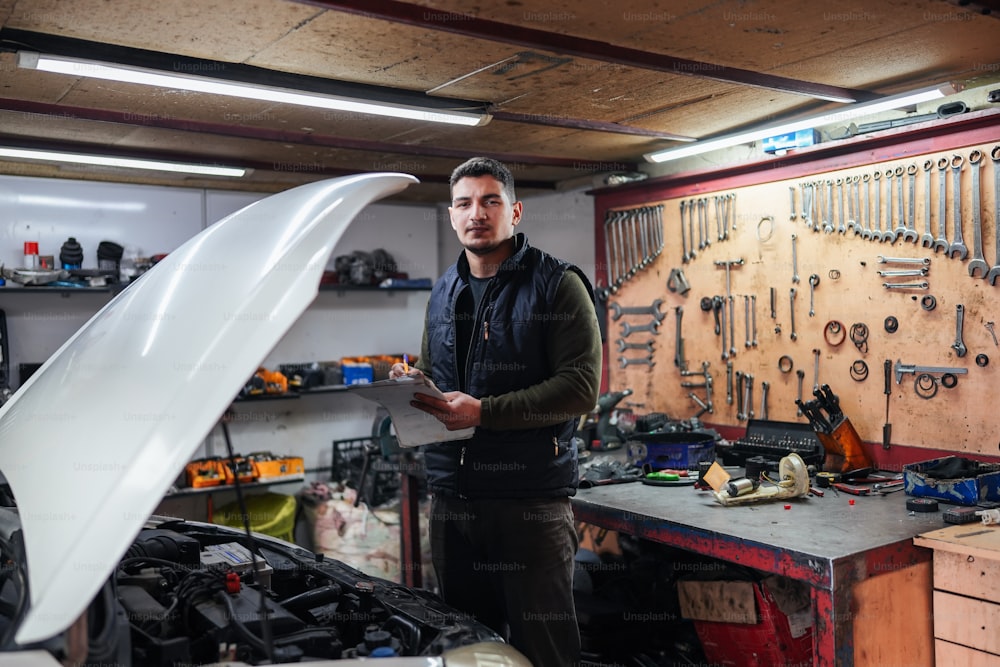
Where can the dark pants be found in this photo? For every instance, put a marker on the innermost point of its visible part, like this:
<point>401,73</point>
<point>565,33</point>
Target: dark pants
<point>509,564</point>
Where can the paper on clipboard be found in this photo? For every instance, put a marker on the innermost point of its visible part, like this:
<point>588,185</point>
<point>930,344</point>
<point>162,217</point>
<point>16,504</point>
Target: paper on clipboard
<point>413,427</point>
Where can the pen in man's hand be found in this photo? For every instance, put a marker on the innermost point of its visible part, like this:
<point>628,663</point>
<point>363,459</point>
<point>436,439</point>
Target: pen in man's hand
<point>406,364</point>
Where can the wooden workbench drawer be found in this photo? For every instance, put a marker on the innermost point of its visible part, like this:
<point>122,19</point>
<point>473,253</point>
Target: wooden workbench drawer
<point>966,621</point>
<point>964,574</point>
<point>946,653</point>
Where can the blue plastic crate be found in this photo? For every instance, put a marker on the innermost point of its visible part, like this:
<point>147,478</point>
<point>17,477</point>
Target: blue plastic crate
<point>670,451</point>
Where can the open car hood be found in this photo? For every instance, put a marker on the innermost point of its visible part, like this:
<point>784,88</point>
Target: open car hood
<point>94,439</point>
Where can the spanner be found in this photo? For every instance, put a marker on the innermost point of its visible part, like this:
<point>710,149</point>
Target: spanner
<point>904,273</point>
<point>910,233</point>
<point>978,262</point>
<point>927,240</point>
<point>800,374</point>
<point>866,232</point>
<point>740,403</point>
<point>654,309</point>
<point>921,285</point>
<point>679,341</point>
<point>629,329</point>
<point>647,346</point>
<point>791,201</point>
<point>626,361</point>
<point>877,224</point>
<point>856,182</point>
<point>852,216</point>
<point>701,224</point>
<point>732,327</point>
<point>957,247</point>
<point>725,347</point>
<point>889,235</point>
<point>995,270</point>
<point>791,298</point>
<point>748,397</point>
<point>841,228</point>
<point>813,282</point>
<point>691,207</point>
<point>923,261</point>
<point>828,221</point>
<point>795,261</point>
<point>729,383</point>
<point>941,242</point>
<point>753,312</point>
<point>746,318</point>
<point>807,203</point>
<point>684,247</point>
<point>959,344</point>
<point>815,370</point>
<point>764,387</point>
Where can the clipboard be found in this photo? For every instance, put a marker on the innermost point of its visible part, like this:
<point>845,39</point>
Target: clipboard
<point>413,427</point>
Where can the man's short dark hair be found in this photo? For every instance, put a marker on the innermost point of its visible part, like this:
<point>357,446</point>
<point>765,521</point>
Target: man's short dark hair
<point>484,166</point>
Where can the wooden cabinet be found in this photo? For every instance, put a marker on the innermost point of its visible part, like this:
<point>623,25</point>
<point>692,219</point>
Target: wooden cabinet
<point>966,604</point>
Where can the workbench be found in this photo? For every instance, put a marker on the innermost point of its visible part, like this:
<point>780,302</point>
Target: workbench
<point>870,585</point>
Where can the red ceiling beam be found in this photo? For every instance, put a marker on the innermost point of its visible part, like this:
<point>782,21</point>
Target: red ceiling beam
<point>533,38</point>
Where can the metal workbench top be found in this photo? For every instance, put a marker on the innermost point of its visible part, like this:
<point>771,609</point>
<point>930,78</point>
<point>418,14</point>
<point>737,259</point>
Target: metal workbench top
<point>808,540</point>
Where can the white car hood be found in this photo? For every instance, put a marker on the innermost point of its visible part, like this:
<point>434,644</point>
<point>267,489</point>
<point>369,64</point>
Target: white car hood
<point>92,442</point>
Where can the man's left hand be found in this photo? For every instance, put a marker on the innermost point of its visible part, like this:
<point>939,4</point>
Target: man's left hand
<point>457,411</point>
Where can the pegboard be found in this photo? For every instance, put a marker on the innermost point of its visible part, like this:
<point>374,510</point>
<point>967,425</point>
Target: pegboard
<point>849,290</point>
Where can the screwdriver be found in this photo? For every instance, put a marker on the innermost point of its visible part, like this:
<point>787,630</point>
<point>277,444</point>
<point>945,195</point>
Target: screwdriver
<point>887,429</point>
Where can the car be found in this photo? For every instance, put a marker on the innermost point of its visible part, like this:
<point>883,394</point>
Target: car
<point>93,440</point>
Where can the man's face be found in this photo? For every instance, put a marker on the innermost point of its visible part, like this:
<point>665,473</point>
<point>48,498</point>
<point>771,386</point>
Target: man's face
<point>482,214</point>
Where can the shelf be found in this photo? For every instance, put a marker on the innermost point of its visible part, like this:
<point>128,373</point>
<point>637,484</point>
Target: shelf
<point>326,389</point>
<point>178,493</point>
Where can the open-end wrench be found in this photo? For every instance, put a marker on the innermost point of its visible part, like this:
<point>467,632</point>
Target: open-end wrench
<point>608,247</point>
<point>841,228</point>
<point>658,222</point>
<point>815,369</point>
<point>921,285</point>
<point>749,397</point>
<point>692,205</point>
<point>719,212</point>
<point>725,346</point>
<point>800,374</point>
<point>813,282</point>
<point>647,346</point>
<point>684,247</point>
<point>653,309</point>
<point>740,403</point>
<point>795,261</point>
<point>807,199</point>
<point>957,247</point>
<point>927,240</point>
<point>642,219</point>
<point>828,217</point>
<point>753,314</point>
<point>791,203</point>
<point>910,233</point>
<point>629,329</point>
<point>679,340</point>
<point>911,273</point>
<point>866,232</point>
<point>995,270</point>
<point>900,230</point>
<point>877,224</point>
<point>746,318</point>
<point>732,326</point>
<point>978,262</point>
<point>941,242</point>
<point>852,215</point>
<point>701,223</point>
<point>959,344</point>
<point>856,182</point>
<point>889,235</point>
<point>627,361</point>
<point>791,298</point>
<point>729,383</point>
<point>764,387</point>
<point>902,369</point>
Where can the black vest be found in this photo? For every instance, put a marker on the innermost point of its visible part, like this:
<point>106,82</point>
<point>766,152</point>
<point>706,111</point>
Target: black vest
<point>507,353</point>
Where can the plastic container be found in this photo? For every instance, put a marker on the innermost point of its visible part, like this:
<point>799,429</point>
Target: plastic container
<point>670,451</point>
<point>270,513</point>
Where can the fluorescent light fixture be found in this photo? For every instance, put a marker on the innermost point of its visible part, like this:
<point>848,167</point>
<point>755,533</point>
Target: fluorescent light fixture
<point>845,114</point>
<point>200,84</point>
<point>127,163</point>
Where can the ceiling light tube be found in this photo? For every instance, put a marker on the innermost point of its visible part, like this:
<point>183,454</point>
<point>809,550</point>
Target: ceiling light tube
<point>123,162</point>
<point>201,84</point>
<point>845,114</point>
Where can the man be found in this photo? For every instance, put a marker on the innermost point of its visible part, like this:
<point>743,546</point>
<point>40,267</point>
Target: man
<point>512,340</point>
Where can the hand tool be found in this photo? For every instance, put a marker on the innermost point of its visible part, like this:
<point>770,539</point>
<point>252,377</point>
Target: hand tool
<point>800,374</point>
<point>732,327</point>
<point>795,261</point>
<point>629,329</point>
<point>904,272</point>
<point>887,427</point>
<point>691,253</point>
<point>647,346</point>
<point>841,228</point>
<point>978,262</point>
<point>923,285</point>
<point>774,314</point>
<point>764,387</point>
<point>941,242</point>
<point>626,362</point>
<point>959,344</point>
<point>923,261</point>
<point>678,282</point>
<point>748,399</point>
<point>722,309</point>
<point>813,282</point>
<point>642,224</point>
<point>618,310</point>
<point>701,224</point>
<point>828,221</point>
<point>900,230</point>
<point>746,319</point>
<point>791,298</point>
<point>807,197</point>
<point>957,247</point>
<point>753,313</point>
<point>866,232</point>
<point>684,248</point>
<point>852,216</point>
<point>910,233</point>
<point>679,340</point>
<point>902,369</point>
<point>877,225</point>
<point>995,270</point>
<point>740,415</point>
<point>815,370</point>
<point>889,234</point>
<point>719,217</point>
<point>729,383</point>
<point>856,182</point>
<point>927,240</point>
<point>716,307</point>
<point>791,203</point>
<point>607,247</point>
<point>989,327</point>
<point>704,406</point>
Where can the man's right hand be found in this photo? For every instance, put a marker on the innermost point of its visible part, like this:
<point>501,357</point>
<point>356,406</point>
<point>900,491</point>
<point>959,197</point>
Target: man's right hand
<point>398,371</point>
